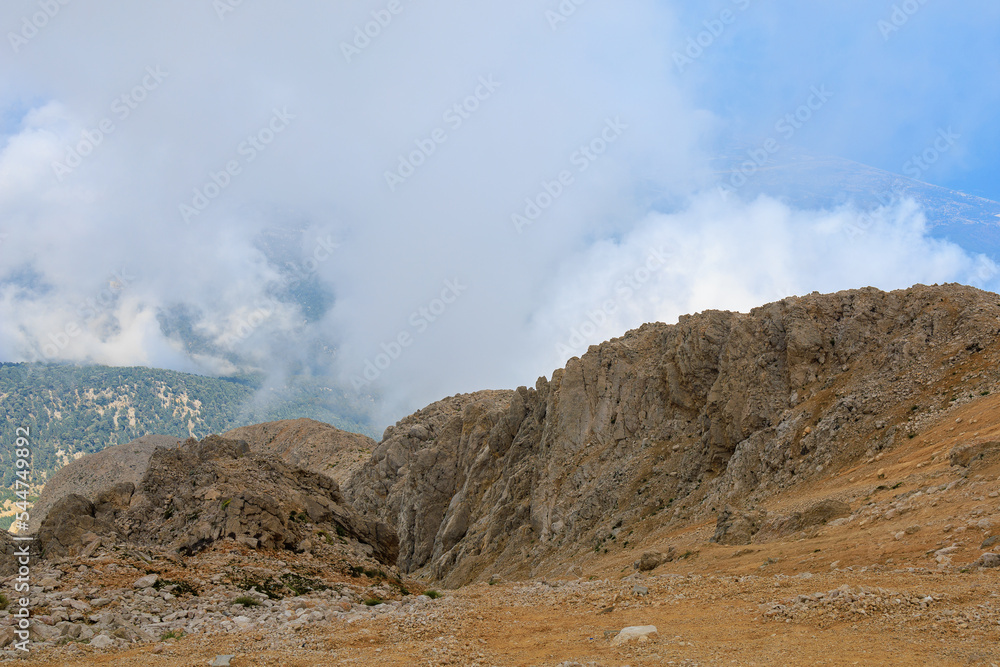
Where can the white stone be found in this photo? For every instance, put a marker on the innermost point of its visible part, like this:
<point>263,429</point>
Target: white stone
<point>638,632</point>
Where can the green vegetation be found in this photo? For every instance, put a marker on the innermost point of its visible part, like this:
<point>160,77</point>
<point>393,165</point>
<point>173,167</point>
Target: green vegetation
<point>76,410</point>
<point>247,601</point>
<point>180,587</point>
<point>432,594</point>
<point>173,634</point>
<point>357,571</point>
<point>300,585</point>
<point>288,584</point>
<point>4,602</point>
<point>371,602</point>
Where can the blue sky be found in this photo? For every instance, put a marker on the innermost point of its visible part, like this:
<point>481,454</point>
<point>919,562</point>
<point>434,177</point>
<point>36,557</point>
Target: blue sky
<point>497,185</point>
<point>894,85</point>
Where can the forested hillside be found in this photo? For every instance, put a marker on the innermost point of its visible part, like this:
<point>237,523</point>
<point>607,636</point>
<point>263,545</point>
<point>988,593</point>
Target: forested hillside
<point>75,410</point>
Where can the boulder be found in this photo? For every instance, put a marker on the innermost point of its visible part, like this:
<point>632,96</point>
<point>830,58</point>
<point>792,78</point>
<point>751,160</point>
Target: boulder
<point>68,520</point>
<point>988,560</point>
<point>651,560</point>
<point>634,633</point>
<point>965,455</point>
<point>736,527</point>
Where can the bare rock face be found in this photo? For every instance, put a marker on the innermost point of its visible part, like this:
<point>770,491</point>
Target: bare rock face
<point>11,552</point>
<point>68,521</point>
<point>416,471</point>
<point>91,474</point>
<point>308,444</point>
<point>967,454</point>
<point>215,489</point>
<point>736,527</point>
<point>669,423</point>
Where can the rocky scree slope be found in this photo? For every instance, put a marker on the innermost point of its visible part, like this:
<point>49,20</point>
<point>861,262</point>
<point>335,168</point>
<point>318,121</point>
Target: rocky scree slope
<point>202,492</point>
<point>671,424</point>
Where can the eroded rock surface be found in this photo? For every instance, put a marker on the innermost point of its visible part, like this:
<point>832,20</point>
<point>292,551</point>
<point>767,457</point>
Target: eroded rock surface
<point>215,489</point>
<point>667,424</point>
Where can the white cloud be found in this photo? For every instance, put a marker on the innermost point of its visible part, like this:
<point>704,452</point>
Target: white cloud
<point>324,176</point>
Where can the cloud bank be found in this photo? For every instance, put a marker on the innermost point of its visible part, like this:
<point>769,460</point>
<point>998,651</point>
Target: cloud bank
<point>405,199</point>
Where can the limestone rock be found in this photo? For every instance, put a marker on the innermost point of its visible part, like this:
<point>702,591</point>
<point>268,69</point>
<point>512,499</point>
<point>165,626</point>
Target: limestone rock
<point>653,559</point>
<point>634,633</point>
<point>966,454</point>
<point>678,421</point>
<point>90,475</point>
<point>68,520</point>
<point>735,527</point>
<point>215,489</point>
<point>308,444</point>
<point>988,560</point>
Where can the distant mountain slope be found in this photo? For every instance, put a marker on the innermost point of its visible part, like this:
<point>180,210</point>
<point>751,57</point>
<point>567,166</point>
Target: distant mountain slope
<point>75,410</point>
<point>812,181</point>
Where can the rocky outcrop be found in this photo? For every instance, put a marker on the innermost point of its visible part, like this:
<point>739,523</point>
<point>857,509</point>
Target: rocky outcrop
<point>969,453</point>
<point>737,527</point>
<point>654,559</point>
<point>211,490</point>
<point>70,525</point>
<point>308,444</point>
<point>667,424</point>
<point>416,471</point>
<point>92,474</point>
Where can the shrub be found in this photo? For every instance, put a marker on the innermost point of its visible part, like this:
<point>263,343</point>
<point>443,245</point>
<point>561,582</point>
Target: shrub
<point>180,587</point>
<point>371,602</point>
<point>432,594</point>
<point>300,585</point>
<point>247,601</point>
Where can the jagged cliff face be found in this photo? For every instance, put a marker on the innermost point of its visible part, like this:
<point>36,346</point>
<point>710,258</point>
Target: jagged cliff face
<point>670,423</point>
